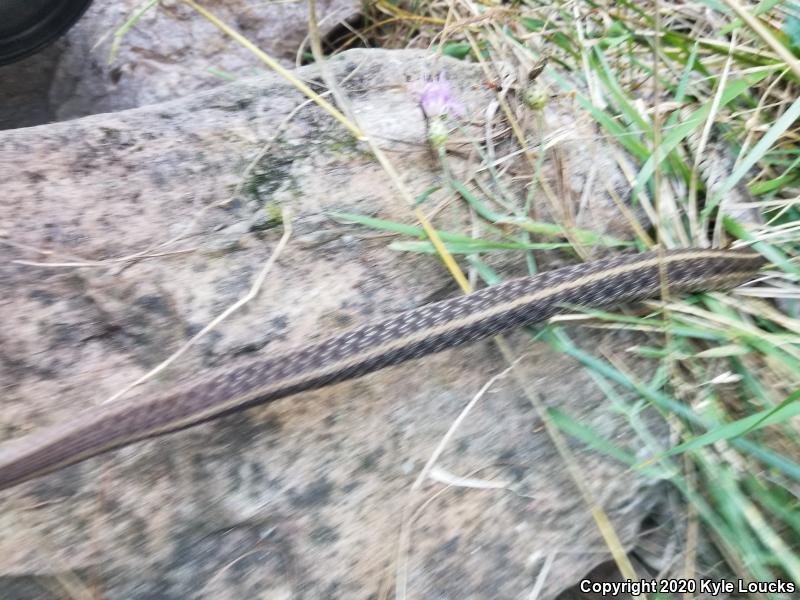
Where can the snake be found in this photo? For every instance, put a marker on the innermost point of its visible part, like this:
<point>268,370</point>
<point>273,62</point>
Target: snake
<point>407,335</point>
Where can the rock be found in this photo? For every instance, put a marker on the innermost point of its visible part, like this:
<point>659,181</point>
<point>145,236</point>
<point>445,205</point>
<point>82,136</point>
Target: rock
<point>309,497</point>
<point>164,55</point>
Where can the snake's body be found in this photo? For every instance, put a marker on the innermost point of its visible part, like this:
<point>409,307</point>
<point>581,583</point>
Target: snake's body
<point>409,335</point>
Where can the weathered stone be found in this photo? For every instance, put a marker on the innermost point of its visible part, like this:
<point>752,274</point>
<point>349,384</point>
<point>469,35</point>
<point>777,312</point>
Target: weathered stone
<point>311,496</point>
<point>164,55</point>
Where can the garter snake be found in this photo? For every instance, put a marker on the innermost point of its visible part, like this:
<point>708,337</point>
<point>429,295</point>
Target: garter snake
<point>424,330</point>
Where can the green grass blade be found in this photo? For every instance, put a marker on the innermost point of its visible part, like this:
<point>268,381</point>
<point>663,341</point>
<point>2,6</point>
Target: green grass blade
<point>784,122</point>
<point>786,410</point>
<point>692,122</point>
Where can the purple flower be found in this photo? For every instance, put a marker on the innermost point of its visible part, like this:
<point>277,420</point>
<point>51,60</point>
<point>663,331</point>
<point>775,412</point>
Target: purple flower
<point>438,100</point>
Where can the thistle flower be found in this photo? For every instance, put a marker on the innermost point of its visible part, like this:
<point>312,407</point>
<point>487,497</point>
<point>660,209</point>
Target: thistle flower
<point>438,100</point>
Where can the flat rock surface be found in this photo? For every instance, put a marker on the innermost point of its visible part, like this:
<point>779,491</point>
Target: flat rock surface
<point>311,496</point>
